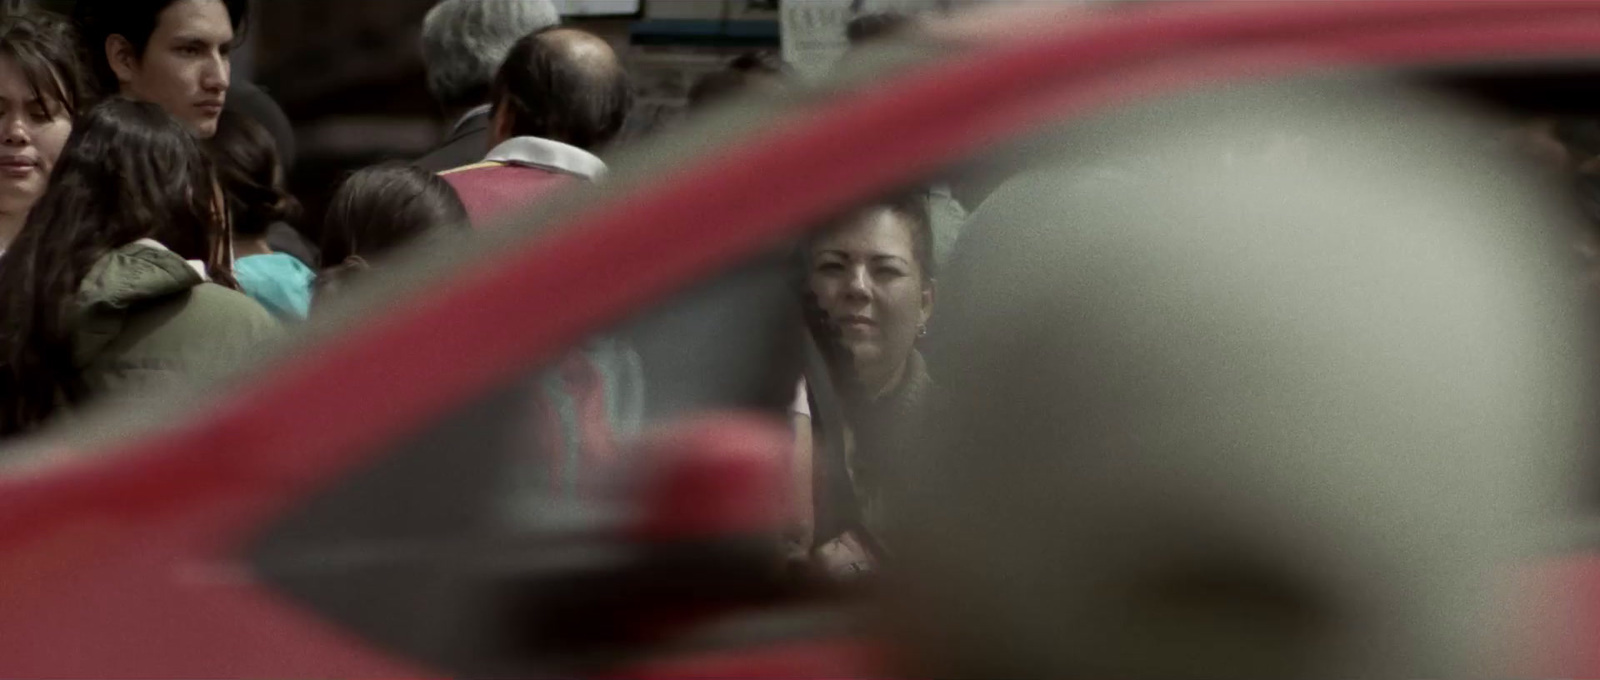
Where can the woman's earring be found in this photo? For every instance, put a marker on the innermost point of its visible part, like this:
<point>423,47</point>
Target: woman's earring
<point>922,330</point>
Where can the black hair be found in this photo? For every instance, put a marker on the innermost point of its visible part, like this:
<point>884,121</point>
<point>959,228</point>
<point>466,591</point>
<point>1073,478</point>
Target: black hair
<point>134,20</point>
<point>247,165</point>
<point>551,94</point>
<point>252,178</point>
<point>378,209</point>
<point>384,206</point>
<point>128,171</point>
<point>45,48</point>
<point>743,72</point>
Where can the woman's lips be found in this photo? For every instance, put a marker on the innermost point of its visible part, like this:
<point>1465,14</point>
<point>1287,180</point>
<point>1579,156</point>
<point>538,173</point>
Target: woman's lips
<point>857,326</point>
<point>17,167</point>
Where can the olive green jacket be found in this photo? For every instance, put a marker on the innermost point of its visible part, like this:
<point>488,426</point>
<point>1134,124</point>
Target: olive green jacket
<point>145,317</point>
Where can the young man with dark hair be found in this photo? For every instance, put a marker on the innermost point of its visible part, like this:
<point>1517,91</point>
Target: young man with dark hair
<point>174,53</point>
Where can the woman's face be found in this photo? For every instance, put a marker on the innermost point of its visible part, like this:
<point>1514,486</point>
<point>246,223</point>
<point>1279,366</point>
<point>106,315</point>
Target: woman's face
<point>32,132</point>
<point>866,276</point>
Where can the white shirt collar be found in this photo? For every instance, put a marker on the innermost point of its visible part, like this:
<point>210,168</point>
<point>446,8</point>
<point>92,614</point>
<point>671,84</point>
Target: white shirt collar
<point>545,153</point>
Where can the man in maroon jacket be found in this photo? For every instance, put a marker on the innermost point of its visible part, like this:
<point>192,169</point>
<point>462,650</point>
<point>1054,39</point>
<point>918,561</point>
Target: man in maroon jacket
<point>560,95</point>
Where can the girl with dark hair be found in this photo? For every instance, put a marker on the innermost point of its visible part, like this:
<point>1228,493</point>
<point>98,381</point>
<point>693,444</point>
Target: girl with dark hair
<point>41,90</point>
<point>120,278</point>
<point>379,209</point>
<point>252,178</point>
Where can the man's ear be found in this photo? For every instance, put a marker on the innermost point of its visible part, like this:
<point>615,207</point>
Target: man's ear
<point>124,61</point>
<point>500,126</point>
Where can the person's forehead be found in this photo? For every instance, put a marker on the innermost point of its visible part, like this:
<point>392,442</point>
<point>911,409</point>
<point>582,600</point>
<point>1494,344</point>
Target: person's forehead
<point>14,83</point>
<point>12,79</point>
<point>204,19</point>
<point>878,232</point>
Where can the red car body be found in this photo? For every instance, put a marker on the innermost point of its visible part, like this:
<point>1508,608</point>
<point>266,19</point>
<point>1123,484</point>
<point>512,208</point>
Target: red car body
<point>130,562</point>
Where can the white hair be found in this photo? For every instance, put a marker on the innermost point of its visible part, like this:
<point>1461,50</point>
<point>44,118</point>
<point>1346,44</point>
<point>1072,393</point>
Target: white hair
<point>464,41</point>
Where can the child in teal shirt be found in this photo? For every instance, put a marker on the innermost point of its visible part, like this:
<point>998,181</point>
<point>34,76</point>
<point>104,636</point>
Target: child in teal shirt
<point>252,179</point>
<point>280,282</point>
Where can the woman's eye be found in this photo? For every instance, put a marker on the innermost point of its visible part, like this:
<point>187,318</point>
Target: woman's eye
<point>889,272</point>
<point>40,114</point>
<point>830,267</point>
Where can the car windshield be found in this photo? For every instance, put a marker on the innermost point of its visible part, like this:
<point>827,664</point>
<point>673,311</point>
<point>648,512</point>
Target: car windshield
<point>1197,344</point>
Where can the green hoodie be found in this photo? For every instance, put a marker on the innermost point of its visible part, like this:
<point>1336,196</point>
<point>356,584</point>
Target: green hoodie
<point>145,317</point>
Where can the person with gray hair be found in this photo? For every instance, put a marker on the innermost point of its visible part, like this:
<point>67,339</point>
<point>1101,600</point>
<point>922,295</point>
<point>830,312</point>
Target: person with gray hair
<point>463,43</point>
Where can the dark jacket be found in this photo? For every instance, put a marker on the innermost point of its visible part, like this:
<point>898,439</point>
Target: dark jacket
<point>145,317</point>
<point>465,145</point>
<point>851,484</point>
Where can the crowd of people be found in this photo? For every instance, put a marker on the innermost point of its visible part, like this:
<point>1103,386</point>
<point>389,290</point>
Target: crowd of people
<point>147,231</point>
<point>147,238</point>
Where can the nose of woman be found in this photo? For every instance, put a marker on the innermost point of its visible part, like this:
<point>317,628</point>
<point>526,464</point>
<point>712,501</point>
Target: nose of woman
<point>12,131</point>
<point>859,285</point>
